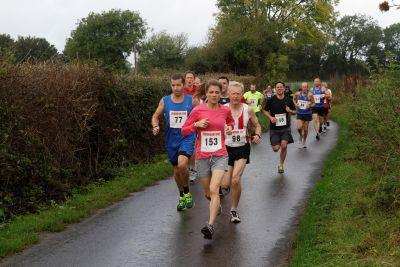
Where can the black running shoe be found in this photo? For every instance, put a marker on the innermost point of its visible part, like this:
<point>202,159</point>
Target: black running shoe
<point>317,137</point>
<point>208,231</point>
<point>320,129</point>
<point>328,124</point>
<point>235,217</point>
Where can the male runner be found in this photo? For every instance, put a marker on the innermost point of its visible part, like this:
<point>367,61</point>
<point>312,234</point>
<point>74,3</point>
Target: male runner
<point>304,101</point>
<point>176,108</point>
<point>278,109</point>
<point>327,104</point>
<point>224,94</point>
<point>190,88</point>
<point>197,82</point>
<point>254,99</point>
<point>238,145</point>
<point>318,110</point>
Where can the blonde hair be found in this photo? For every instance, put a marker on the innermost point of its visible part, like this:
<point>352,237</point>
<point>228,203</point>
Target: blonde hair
<point>235,84</point>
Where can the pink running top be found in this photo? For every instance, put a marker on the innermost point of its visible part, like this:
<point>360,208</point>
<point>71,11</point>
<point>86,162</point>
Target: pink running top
<point>210,141</point>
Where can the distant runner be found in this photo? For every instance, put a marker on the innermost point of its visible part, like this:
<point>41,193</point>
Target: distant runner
<point>278,109</point>
<point>304,101</point>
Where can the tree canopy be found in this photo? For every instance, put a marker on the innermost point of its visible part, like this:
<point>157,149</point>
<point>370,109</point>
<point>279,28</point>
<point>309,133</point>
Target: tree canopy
<point>108,38</point>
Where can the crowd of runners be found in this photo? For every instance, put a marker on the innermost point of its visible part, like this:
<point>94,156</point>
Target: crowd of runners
<point>210,126</point>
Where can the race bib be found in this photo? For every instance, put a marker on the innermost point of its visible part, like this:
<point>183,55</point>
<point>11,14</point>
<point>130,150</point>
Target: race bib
<point>238,138</point>
<point>317,99</point>
<point>302,104</point>
<point>280,119</point>
<point>252,102</point>
<point>211,141</point>
<point>177,118</point>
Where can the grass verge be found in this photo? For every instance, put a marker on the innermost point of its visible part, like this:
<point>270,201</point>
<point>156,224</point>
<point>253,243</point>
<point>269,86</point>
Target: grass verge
<point>25,230</point>
<point>341,224</point>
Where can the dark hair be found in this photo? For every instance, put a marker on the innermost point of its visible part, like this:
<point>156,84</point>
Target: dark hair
<point>224,78</point>
<point>190,72</point>
<point>201,91</point>
<point>178,77</point>
<point>279,82</point>
<point>213,83</point>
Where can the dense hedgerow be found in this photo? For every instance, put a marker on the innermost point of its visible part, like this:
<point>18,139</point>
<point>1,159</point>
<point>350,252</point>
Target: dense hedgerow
<point>64,126</point>
<point>376,131</point>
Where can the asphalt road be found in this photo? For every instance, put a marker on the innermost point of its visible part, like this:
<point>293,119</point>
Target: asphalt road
<point>146,230</point>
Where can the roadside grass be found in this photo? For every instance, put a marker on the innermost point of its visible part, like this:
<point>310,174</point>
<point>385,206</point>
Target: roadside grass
<point>25,230</point>
<point>342,225</point>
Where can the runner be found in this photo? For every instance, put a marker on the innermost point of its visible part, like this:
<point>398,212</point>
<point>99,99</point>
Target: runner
<point>190,88</point>
<point>268,93</point>
<point>304,101</point>
<point>224,94</point>
<point>278,109</point>
<point>197,81</point>
<point>327,104</point>
<point>176,108</point>
<point>254,99</point>
<point>209,121</point>
<point>200,95</point>
<point>318,110</point>
<point>238,145</point>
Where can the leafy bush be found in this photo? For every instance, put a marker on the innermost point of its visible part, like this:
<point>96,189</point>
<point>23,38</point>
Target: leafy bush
<point>375,124</point>
<point>64,126</point>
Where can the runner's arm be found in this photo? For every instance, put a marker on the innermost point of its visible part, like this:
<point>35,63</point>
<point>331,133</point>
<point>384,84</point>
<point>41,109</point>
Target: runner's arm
<point>155,119</point>
<point>311,98</point>
<point>254,121</point>
<point>266,111</point>
<point>188,128</point>
<point>296,96</point>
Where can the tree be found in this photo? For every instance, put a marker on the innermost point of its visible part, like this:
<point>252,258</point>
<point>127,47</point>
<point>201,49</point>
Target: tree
<point>357,42</point>
<point>391,40</point>
<point>7,48</point>
<point>251,35</point>
<point>108,38</point>
<point>163,51</point>
<point>33,48</point>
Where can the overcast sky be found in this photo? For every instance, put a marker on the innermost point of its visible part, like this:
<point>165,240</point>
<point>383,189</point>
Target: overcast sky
<point>55,19</point>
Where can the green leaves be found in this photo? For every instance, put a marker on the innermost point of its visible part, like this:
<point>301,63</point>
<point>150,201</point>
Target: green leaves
<point>108,38</point>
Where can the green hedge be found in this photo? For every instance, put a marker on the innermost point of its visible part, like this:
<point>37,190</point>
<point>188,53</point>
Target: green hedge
<point>376,131</point>
<point>64,126</point>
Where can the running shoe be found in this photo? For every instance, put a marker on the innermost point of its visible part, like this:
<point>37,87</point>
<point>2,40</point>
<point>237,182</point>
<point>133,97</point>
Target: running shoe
<point>328,124</point>
<point>181,204</point>
<point>280,168</point>
<point>317,136</point>
<point>235,217</point>
<point>324,129</point>
<point>189,201</point>
<point>304,146</point>
<point>320,129</point>
<point>208,231</point>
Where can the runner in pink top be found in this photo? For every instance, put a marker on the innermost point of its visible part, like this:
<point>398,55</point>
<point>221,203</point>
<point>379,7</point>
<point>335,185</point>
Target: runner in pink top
<point>211,140</point>
<point>210,121</point>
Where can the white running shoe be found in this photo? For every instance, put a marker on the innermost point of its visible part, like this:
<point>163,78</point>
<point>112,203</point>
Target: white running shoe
<point>235,217</point>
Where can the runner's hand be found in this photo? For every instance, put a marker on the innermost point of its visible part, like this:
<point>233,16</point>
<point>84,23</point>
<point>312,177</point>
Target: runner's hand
<point>203,123</point>
<point>229,130</point>
<point>156,130</point>
<point>256,139</point>
<point>273,119</point>
<point>288,110</point>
